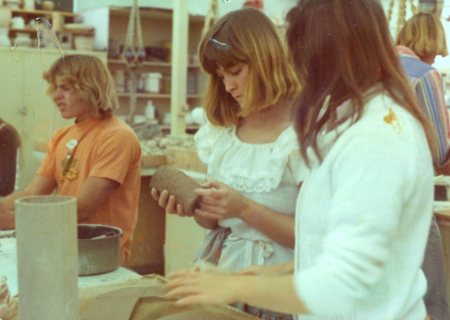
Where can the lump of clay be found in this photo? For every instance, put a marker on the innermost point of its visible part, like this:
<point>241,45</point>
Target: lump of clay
<point>178,184</point>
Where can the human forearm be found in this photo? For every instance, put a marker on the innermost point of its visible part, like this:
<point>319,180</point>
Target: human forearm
<point>7,218</point>
<point>93,194</point>
<point>8,202</point>
<point>7,212</point>
<point>219,202</point>
<point>269,270</point>
<point>34,189</point>
<point>279,227</point>
<point>273,293</point>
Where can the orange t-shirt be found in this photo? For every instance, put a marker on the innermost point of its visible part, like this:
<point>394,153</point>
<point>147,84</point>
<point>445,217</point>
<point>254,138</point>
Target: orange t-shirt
<point>105,148</point>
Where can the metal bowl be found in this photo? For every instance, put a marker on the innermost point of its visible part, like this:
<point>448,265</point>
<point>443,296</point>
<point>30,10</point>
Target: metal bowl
<point>98,248</point>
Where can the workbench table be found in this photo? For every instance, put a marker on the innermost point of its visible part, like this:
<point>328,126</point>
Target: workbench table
<point>8,268</point>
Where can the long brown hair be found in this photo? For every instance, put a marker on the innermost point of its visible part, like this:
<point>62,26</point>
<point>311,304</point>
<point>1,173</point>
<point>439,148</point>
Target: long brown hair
<point>246,36</point>
<point>345,56</point>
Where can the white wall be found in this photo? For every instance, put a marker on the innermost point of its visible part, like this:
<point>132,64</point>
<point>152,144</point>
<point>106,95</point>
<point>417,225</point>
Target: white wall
<point>443,63</point>
<point>276,9</point>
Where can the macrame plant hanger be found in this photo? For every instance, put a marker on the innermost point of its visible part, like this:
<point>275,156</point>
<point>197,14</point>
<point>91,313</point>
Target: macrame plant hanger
<point>401,12</point>
<point>134,55</point>
<point>436,8</point>
<point>211,17</point>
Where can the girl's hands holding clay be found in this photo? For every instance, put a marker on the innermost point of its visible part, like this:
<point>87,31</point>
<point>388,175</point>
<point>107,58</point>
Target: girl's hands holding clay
<point>168,201</point>
<point>219,201</point>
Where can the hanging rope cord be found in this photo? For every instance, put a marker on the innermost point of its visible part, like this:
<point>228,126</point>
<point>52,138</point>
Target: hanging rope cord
<point>133,56</point>
<point>401,11</point>
<point>134,28</point>
<point>211,17</point>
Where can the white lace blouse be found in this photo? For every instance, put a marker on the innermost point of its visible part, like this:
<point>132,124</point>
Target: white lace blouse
<point>268,173</point>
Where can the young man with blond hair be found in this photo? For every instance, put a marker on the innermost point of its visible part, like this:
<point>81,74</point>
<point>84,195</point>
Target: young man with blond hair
<point>96,159</point>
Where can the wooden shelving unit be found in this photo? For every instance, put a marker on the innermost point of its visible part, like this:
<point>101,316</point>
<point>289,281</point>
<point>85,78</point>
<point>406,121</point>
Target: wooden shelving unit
<point>111,25</point>
<point>34,13</point>
<point>144,64</point>
<point>29,15</point>
<point>144,95</point>
<point>32,31</point>
<point>155,64</point>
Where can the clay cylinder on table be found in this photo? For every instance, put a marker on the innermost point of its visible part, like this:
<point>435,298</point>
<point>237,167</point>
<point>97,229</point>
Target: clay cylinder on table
<point>178,184</point>
<point>46,232</point>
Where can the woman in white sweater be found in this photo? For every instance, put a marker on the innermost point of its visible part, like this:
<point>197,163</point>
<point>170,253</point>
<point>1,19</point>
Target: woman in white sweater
<point>364,211</point>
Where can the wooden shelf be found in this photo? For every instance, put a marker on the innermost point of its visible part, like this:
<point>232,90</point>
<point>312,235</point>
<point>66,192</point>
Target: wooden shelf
<point>145,63</point>
<point>149,95</point>
<point>163,14</point>
<point>194,96</point>
<point>158,23</point>
<point>33,31</point>
<point>40,12</point>
<point>146,95</point>
<point>190,128</point>
<point>155,13</point>
<point>79,32</point>
<point>23,30</point>
<point>154,64</point>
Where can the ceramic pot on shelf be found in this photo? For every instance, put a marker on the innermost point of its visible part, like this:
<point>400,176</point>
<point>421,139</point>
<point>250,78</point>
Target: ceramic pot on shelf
<point>4,39</point>
<point>22,40</point>
<point>5,16</point>
<point>29,4</point>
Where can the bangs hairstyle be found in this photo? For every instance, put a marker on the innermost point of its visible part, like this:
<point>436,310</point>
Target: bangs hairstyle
<point>424,34</point>
<point>350,53</point>
<point>90,78</point>
<point>246,36</point>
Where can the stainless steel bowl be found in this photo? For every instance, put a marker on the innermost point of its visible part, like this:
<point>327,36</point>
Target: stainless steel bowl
<point>98,248</point>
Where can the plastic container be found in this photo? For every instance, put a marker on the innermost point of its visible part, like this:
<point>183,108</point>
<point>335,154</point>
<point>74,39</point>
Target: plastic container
<point>4,39</point>
<point>119,79</point>
<point>23,40</point>
<point>84,43</point>
<point>5,17</point>
<point>153,83</point>
<point>18,23</point>
<point>29,4</point>
<point>150,110</point>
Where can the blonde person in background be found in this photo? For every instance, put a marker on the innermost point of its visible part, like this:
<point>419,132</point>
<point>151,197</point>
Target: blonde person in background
<point>364,210</point>
<point>249,146</point>
<point>96,159</point>
<point>420,40</point>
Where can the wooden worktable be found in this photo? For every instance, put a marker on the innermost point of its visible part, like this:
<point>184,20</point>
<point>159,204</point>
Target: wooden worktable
<point>147,251</point>
<point>8,263</point>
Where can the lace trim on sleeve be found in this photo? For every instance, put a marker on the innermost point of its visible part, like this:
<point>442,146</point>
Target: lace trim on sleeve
<point>253,168</point>
<point>206,138</point>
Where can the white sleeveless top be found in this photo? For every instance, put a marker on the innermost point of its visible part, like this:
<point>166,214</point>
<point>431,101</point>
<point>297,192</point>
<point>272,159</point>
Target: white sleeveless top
<point>268,173</point>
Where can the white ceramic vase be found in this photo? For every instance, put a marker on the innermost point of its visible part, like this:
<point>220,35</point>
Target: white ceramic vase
<point>4,39</point>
